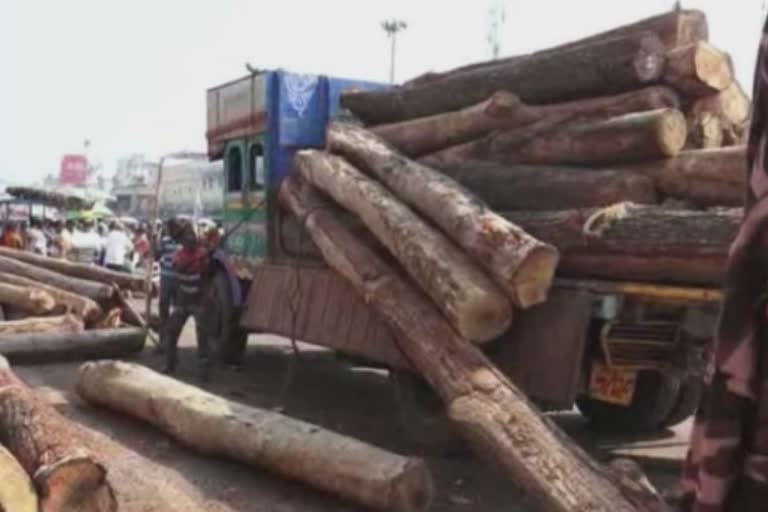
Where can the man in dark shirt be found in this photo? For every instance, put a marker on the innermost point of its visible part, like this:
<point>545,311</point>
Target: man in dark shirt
<point>190,266</point>
<point>165,250</point>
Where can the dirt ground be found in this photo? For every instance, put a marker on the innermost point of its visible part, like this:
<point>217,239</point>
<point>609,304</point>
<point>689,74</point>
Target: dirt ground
<point>337,395</point>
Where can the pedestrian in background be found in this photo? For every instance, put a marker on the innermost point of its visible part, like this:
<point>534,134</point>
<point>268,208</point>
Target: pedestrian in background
<point>117,247</point>
<point>168,245</point>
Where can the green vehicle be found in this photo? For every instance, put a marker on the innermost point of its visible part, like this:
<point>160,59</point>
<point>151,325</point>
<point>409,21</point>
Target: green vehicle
<point>630,355</point>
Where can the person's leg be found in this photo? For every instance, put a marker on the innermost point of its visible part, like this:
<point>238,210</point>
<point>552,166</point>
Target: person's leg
<point>175,325</point>
<point>164,308</point>
<point>203,346</point>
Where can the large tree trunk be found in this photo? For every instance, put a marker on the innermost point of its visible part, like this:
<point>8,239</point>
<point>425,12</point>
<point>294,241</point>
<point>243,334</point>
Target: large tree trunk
<point>79,270</point>
<point>90,289</point>
<point>504,111</point>
<point>602,68</point>
<point>475,305</point>
<point>698,69</point>
<point>641,243</point>
<point>87,309</point>
<point>629,138</point>
<point>492,413</point>
<point>520,264</point>
<point>712,177</point>
<point>731,106</point>
<point>45,443</point>
<point>294,449</point>
<point>526,187</point>
<point>674,29</point>
<point>68,324</point>
<point>31,300</point>
<point>17,493</point>
<point>48,347</point>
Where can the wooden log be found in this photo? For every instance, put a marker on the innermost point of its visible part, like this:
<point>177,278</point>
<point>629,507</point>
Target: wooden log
<point>31,300</point>
<point>354,470</point>
<point>475,305</point>
<point>712,177</point>
<point>90,289</point>
<point>65,473</point>
<point>66,302</point>
<point>68,324</point>
<point>602,68</point>
<point>698,69</point>
<point>492,413</point>
<point>641,243</point>
<point>705,131</point>
<point>674,29</point>
<point>80,270</point>
<point>504,111</point>
<point>731,106</point>
<point>39,348</point>
<point>17,493</point>
<point>527,187</point>
<point>521,265</point>
<point>629,138</point>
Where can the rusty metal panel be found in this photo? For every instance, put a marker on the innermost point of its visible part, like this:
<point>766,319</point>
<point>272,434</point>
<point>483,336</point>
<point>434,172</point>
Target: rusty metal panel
<point>543,351</point>
<point>317,306</point>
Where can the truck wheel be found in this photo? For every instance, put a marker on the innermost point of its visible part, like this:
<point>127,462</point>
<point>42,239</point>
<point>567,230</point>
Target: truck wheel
<point>656,394</point>
<point>422,416</point>
<point>227,339</point>
<point>687,402</point>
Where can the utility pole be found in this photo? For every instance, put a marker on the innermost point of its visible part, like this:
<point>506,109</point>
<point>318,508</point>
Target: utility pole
<point>392,27</point>
<point>497,16</point>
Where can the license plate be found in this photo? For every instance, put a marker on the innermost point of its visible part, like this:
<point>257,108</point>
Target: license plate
<point>612,385</point>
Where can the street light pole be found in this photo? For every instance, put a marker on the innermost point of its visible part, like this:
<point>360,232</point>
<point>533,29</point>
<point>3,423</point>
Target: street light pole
<point>392,27</point>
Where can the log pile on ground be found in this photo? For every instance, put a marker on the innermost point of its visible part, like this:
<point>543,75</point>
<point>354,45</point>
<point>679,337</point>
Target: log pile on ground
<point>608,151</point>
<point>55,305</point>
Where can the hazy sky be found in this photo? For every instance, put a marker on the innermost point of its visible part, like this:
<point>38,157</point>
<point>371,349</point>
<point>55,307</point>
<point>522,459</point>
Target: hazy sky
<point>131,75</point>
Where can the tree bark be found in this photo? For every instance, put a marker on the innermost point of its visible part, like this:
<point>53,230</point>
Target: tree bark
<point>475,305</point>
<point>629,138</point>
<point>31,300</point>
<point>294,449</point>
<point>47,347</point>
<point>78,270</point>
<point>489,410</point>
<point>712,177</point>
<point>66,302</point>
<point>698,69</point>
<point>674,29</point>
<point>520,264</point>
<point>525,187</point>
<point>601,68</point>
<point>641,243</point>
<point>504,111</point>
<point>65,473</point>
<point>731,106</point>
<point>90,289</point>
<point>17,493</point>
<point>68,324</point>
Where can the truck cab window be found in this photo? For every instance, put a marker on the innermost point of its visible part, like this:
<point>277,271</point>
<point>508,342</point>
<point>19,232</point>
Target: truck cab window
<point>256,177</point>
<point>234,170</point>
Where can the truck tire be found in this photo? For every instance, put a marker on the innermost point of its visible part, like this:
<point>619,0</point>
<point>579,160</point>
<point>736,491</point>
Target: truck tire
<point>227,339</point>
<point>422,416</point>
<point>656,395</point>
<point>687,402</point>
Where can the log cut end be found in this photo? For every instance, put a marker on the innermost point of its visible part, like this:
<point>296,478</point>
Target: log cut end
<point>705,131</point>
<point>484,317</point>
<point>502,103</point>
<point>17,494</point>
<point>77,483</point>
<point>43,301</point>
<point>713,67</point>
<point>413,490</point>
<point>671,132</point>
<point>649,60</point>
<point>534,277</point>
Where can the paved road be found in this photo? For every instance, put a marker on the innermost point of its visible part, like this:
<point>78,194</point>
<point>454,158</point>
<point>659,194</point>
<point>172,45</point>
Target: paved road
<point>332,393</point>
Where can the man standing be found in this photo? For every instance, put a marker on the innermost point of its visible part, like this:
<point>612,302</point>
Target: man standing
<point>165,250</point>
<point>727,465</point>
<point>36,241</point>
<point>117,246</point>
<point>190,264</point>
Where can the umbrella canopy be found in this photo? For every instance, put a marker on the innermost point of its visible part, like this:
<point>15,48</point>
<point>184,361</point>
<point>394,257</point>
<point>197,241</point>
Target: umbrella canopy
<point>98,212</point>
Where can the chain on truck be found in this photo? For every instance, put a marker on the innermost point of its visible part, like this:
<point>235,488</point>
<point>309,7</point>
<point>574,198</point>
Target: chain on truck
<point>629,355</point>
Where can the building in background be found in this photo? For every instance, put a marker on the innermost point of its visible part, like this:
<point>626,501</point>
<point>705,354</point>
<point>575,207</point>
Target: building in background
<point>133,186</point>
<point>195,186</point>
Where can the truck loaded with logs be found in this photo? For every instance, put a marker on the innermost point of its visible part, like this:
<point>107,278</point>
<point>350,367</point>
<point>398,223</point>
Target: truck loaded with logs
<point>555,223</point>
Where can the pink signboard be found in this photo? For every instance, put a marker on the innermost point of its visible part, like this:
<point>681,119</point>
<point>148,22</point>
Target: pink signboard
<point>74,170</point>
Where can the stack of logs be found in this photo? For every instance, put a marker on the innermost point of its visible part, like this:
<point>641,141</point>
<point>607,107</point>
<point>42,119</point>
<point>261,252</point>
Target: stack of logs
<point>54,309</point>
<point>649,113</point>
<point>615,157</point>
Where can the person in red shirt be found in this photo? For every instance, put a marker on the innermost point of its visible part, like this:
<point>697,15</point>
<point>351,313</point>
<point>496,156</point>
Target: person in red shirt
<point>11,237</point>
<point>190,267</point>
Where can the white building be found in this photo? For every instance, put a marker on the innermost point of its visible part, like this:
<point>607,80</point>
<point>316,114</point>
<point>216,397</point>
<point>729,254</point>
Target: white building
<point>190,186</point>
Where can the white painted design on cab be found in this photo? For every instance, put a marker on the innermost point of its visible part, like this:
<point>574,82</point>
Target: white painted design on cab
<point>300,90</point>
